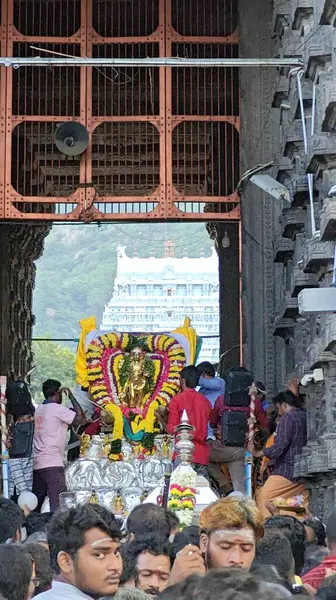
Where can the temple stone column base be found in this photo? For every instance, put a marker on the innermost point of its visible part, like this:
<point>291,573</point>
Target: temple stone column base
<point>317,463</point>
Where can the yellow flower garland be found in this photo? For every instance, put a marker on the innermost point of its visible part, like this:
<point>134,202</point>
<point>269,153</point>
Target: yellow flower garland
<point>150,420</point>
<point>150,417</point>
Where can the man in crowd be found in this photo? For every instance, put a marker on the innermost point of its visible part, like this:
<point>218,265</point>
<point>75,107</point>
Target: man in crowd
<point>275,550</point>
<point>225,585</point>
<point>43,570</point>
<point>291,437</point>
<point>230,530</point>
<point>198,410</point>
<point>151,560</point>
<point>84,554</point>
<point>17,573</point>
<point>315,577</point>
<point>52,421</point>
<point>210,386</point>
<point>232,455</point>
<point>149,520</point>
<point>295,532</point>
<point>11,521</point>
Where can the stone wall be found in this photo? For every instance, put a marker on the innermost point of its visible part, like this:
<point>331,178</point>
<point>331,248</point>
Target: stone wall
<point>293,253</point>
<point>20,246</point>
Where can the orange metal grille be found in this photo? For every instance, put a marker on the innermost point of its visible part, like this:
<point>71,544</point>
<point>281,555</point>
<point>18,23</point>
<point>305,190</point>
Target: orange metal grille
<point>164,142</point>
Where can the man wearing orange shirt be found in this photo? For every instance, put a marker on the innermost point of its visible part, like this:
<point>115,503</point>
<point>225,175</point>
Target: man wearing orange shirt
<point>198,409</point>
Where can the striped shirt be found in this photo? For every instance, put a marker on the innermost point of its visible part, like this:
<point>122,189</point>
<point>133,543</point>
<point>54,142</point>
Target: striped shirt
<point>290,438</point>
<point>316,576</point>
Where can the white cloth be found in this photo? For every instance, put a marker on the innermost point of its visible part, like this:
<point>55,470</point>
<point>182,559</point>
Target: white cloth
<point>63,591</point>
<point>83,399</point>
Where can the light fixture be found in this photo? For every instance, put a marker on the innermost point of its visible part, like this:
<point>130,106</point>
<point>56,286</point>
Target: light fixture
<point>226,241</point>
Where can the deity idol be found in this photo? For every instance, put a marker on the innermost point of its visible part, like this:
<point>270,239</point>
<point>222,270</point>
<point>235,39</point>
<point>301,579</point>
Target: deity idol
<point>136,386</point>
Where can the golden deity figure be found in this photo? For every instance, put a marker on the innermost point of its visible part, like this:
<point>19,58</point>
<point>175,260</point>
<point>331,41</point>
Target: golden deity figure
<point>134,390</point>
<point>84,444</point>
<point>94,498</point>
<point>118,504</point>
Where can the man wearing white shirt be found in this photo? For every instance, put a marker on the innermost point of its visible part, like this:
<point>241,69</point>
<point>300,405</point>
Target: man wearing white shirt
<point>52,421</point>
<point>84,555</point>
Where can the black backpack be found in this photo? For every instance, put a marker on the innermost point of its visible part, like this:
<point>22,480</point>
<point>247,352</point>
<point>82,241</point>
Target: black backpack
<point>20,412</point>
<point>22,434</point>
<point>237,388</point>
<point>235,415</point>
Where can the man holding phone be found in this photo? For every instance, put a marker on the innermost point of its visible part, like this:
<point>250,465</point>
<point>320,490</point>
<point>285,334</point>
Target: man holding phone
<point>52,421</point>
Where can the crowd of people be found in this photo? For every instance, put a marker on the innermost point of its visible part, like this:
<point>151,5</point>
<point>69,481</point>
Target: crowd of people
<point>83,552</point>
<point>219,410</point>
<point>239,547</point>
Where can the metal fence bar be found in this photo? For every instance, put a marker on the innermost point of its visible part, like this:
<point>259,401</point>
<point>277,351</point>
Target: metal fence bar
<point>38,61</point>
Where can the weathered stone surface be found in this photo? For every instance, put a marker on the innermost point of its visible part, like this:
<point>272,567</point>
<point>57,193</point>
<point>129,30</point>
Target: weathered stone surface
<point>259,142</point>
<point>318,50</point>
<point>328,96</point>
<point>302,11</point>
<point>288,307</point>
<point>20,246</point>
<point>281,93</point>
<point>328,13</point>
<point>283,249</point>
<point>328,220</point>
<point>322,153</point>
<point>293,221</point>
<point>283,327</point>
<point>299,260</point>
<point>282,15</point>
<point>330,333</point>
<point>317,254</point>
<point>301,280</point>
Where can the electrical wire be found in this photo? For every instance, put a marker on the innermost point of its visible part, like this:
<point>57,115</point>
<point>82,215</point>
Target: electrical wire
<point>160,245</point>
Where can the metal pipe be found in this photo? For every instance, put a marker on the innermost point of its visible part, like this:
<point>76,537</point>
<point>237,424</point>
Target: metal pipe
<point>305,145</point>
<point>38,61</point>
<point>311,203</point>
<point>303,119</point>
<point>312,129</point>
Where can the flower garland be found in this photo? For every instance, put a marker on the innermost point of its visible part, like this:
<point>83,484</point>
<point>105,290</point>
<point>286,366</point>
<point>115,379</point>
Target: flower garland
<point>182,494</point>
<point>105,345</point>
<point>118,429</point>
<point>163,367</point>
<point>147,445</point>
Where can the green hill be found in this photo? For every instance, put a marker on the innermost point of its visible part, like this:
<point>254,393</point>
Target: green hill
<point>75,278</point>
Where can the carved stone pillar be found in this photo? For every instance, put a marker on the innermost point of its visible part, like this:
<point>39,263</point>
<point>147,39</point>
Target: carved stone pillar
<point>259,141</point>
<point>20,246</point>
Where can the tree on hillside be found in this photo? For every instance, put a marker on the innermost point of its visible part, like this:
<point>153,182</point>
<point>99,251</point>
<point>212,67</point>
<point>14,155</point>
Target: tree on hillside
<point>75,275</point>
<point>52,361</point>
